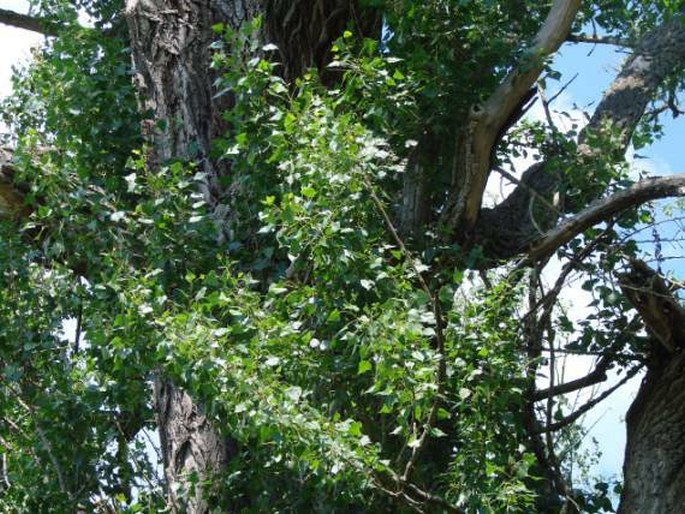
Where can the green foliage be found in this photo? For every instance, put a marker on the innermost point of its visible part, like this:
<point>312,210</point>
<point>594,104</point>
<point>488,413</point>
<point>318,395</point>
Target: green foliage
<point>340,363</point>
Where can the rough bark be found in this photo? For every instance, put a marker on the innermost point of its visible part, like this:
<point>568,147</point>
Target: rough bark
<point>170,41</point>
<point>192,450</point>
<point>654,466</point>
<point>171,53</point>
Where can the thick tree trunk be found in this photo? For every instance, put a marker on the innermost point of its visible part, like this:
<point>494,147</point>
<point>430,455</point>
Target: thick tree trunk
<point>171,54</point>
<point>654,467</point>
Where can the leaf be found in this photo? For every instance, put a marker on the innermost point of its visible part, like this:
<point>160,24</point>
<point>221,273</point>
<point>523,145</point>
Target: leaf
<point>367,284</point>
<point>308,192</point>
<point>364,366</point>
<point>293,393</point>
<point>272,361</point>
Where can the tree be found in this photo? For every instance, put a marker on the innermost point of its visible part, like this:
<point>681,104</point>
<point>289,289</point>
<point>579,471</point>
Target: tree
<point>262,221</point>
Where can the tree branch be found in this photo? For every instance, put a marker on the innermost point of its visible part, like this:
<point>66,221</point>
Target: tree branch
<point>598,40</point>
<point>657,55</point>
<point>486,121</point>
<point>589,405</point>
<point>597,376</point>
<point>27,22</point>
<point>602,209</point>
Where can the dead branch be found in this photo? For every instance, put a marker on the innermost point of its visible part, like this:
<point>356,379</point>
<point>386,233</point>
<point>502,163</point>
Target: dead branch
<point>594,39</point>
<point>597,376</point>
<point>589,405</point>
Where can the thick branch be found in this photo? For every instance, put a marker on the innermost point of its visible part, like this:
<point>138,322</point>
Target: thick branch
<point>510,226</point>
<point>597,376</point>
<point>26,22</point>
<point>643,191</point>
<point>659,54</point>
<point>487,121</point>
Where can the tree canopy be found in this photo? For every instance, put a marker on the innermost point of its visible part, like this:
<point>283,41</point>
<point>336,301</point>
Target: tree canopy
<point>248,266</point>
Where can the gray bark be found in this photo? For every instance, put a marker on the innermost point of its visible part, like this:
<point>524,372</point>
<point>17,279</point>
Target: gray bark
<point>171,54</point>
<point>654,466</point>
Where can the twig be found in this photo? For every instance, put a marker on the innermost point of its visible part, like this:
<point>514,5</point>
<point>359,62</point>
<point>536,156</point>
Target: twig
<point>79,321</point>
<point>420,442</point>
<point>419,493</point>
<point>589,405</point>
<point>562,89</point>
<point>44,441</point>
<point>511,178</point>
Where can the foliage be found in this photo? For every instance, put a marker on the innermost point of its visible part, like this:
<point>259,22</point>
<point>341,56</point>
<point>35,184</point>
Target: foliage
<point>339,361</point>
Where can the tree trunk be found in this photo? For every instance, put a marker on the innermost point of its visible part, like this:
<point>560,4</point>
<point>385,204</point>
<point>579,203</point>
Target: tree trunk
<point>172,55</point>
<point>654,466</point>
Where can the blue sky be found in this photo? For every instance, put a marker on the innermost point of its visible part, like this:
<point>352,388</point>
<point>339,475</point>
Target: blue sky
<point>596,66</point>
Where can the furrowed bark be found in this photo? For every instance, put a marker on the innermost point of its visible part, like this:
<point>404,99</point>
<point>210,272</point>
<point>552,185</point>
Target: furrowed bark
<point>171,53</point>
<point>654,466</point>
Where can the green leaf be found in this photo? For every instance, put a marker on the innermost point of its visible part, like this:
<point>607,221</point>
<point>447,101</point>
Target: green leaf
<point>364,366</point>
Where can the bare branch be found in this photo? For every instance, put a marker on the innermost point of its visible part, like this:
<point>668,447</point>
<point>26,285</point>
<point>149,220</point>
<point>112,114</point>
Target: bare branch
<point>603,209</point>
<point>27,22</point>
<point>599,40</point>
<point>589,405</point>
<point>486,121</point>
<point>597,376</point>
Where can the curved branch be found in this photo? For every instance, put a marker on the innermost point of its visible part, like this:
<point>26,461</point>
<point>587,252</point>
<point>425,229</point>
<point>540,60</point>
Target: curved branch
<point>487,120</point>
<point>602,209</point>
<point>509,225</point>
<point>27,22</point>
